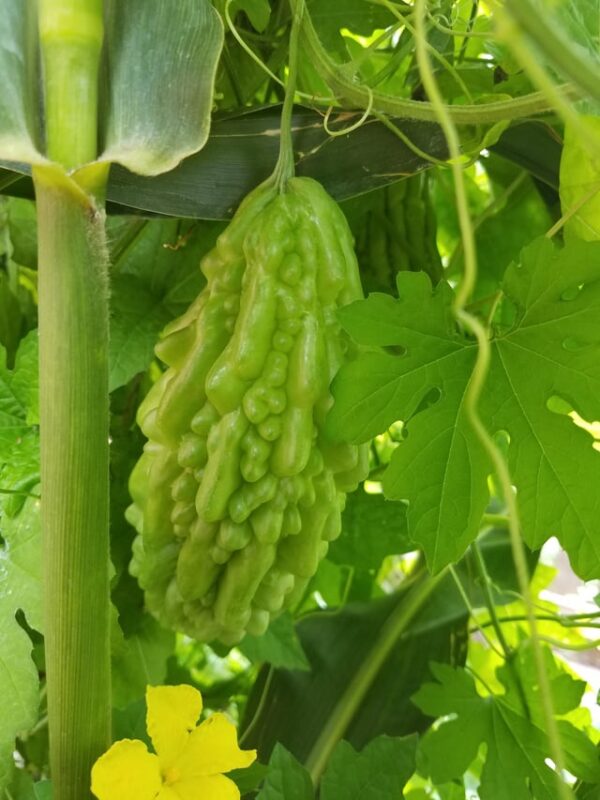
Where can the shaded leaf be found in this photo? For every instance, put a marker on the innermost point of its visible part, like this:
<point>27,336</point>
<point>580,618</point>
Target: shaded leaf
<point>19,437</point>
<point>567,691</point>
<point>43,790</point>
<point>330,16</point>
<point>242,150</point>
<point>449,749</point>
<point>22,227</point>
<point>165,256</point>
<point>379,772</point>
<point>535,147</point>
<point>279,646</point>
<point>137,317</point>
<point>372,528</point>
<point>130,722</point>
<point>156,275</point>
<point>249,778</point>
<point>139,660</point>
<point>20,589</point>
<point>286,778</point>
<point>296,705</point>
<point>257,11</point>
<point>14,396</point>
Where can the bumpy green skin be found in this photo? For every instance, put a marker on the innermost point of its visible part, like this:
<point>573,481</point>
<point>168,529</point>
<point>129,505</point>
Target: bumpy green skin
<point>396,232</point>
<point>238,492</point>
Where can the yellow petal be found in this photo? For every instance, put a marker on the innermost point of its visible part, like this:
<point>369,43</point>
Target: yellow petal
<point>212,787</point>
<point>212,748</point>
<point>127,771</point>
<point>172,713</point>
<point>167,793</point>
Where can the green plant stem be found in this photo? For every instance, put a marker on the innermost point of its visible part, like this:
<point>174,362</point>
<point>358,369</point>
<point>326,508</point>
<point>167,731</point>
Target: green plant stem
<point>475,387</point>
<point>564,622</point>
<point>489,598</point>
<point>74,418</point>
<point>284,169</point>
<point>359,95</point>
<point>71,34</point>
<point>494,521</point>
<point>73,326</point>
<point>472,612</point>
<point>584,73</point>
<point>470,23</point>
<point>391,632</point>
<point>580,647</point>
<point>491,607</point>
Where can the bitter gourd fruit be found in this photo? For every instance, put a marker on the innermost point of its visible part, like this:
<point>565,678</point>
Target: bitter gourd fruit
<point>395,229</point>
<point>239,491</point>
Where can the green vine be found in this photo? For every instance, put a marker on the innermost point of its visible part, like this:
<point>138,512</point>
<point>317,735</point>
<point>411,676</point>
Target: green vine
<point>357,94</point>
<point>476,384</point>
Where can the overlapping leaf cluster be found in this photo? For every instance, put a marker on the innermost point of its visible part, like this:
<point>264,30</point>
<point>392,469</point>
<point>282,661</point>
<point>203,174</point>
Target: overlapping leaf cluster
<point>545,359</point>
<point>516,743</point>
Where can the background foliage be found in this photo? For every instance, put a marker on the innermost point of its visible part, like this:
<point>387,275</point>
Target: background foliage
<point>445,696</point>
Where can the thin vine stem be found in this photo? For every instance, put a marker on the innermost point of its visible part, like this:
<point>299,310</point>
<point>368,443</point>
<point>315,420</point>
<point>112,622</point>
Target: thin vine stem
<point>496,624</point>
<point>472,613</point>
<point>284,169</point>
<point>556,619</point>
<point>451,32</point>
<point>470,23</point>
<point>21,493</point>
<point>260,63</point>
<point>259,708</point>
<point>408,141</point>
<point>591,644</point>
<point>489,597</point>
<point>435,53</point>
<point>350,128</point>
<point>477,381</point>
<point>373,46</point>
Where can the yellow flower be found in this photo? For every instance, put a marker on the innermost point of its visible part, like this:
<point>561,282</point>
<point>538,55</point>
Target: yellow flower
<point>189,758</point>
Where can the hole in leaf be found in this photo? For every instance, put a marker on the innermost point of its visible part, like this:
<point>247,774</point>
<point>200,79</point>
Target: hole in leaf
<point>559,405</point>
<point>432,397</point>
<point>395,349</point>
<point>397,431</point>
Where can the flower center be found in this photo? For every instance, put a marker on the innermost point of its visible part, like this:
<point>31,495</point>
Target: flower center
<point>171,776</point>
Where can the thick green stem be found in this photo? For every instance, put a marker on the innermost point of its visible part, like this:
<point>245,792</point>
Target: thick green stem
<point>360,95</point>
<point>74,421</point>
<point>567,56</point>
<point>73,325</point>
<point>71,33</point>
